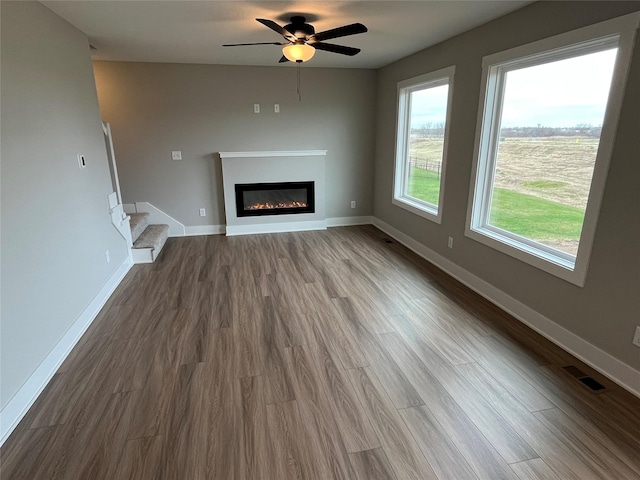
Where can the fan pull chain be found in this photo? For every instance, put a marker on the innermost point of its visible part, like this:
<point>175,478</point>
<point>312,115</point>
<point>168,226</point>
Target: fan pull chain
<point>299,92</point>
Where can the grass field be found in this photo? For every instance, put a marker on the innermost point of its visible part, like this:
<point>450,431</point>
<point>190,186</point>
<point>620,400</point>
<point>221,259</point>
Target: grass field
<point>424,185</point>
<point>520,213</point>
<point>541,186</point>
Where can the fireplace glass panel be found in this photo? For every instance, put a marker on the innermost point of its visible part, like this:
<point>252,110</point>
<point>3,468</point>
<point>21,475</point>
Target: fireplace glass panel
<point>274,198</point>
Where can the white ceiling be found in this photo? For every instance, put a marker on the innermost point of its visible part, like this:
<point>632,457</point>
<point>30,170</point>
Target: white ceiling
<point>183,31</point>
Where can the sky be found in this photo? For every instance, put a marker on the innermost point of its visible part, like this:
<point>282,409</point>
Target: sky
<point>558,94</point>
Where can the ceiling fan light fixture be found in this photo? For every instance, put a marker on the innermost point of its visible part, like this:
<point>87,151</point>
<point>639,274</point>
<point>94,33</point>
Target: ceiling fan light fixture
<point>299,52</point>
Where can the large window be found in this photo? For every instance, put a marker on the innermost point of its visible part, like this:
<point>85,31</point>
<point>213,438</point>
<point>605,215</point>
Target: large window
<point>423,106</point>
<point>545,137</point>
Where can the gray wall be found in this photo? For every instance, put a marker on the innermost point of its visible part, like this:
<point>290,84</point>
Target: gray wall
<point>604,312</point>
<point>55,222</point>
<point>203,109</point>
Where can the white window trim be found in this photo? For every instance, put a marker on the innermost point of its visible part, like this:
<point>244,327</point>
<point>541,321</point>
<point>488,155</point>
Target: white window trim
<point>545,258</point>
<point>401,172</point>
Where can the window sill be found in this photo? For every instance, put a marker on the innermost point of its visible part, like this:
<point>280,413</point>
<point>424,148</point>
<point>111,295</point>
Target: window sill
<point>424,210</point>
<point>558,265</point>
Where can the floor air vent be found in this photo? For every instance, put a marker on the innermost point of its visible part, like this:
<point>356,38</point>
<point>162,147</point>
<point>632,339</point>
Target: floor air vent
<point>590,382</point>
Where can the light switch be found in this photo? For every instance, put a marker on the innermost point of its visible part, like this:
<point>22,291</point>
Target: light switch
<point>276,107</point>
<point>256,108</point>
<point>176,155</point>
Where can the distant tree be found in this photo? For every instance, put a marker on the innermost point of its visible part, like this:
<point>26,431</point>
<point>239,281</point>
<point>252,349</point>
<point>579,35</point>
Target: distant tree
<point>540,131</point>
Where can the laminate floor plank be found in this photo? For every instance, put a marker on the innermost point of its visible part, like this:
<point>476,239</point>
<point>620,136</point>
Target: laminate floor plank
<point>594,449</point>
<point>279,387</point>
<point>248,335</point>
<point>254,460</point>
<point>23,459</point>
<point>371,465</point>
<point>441,309</point>
<point>337,339</point>
<point>330,460</point>
<point>364,286</point>
<point>578,402</point>
<point>475,448</point>
<point>562,458</point>
<point>493,426</point>
<point>354,425</point>
<point>440,451</point>
<point>292,457</point>
<point>564,392</point>
<point>534,469</point>
<point>184,448</point>
<point>400,390</point>
<point>304,264</point>
<point>404,455</point>
<point>101,463</point>
<point>221,422</point>
<point>366,313</point>
<point>515,381</point>
<point>431,328</point>
<point>320,355</point>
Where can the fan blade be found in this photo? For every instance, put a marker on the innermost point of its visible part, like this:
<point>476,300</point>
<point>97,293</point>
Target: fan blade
<point>277,28</point>
<point>352,29</point>
<point>330,47</point>
<point>261,43</point>
<point>283,59</point>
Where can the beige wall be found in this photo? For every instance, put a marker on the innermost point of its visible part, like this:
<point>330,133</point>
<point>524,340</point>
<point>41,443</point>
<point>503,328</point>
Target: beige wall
<point>55,220</point>
<point>203,109</point>
<point>604,312</point>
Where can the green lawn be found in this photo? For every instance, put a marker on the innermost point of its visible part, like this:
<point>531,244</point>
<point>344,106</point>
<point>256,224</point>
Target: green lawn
<point>535,218</point>
<point>519,213</point>
<point>424,185</point>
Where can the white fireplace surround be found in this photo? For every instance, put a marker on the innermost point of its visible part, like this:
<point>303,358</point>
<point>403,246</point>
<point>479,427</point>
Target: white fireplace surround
<point>271,167</point>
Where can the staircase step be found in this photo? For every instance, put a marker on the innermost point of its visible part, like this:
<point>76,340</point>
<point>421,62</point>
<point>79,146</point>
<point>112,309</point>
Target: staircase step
<point>151,242</point>
<point>138,222</point>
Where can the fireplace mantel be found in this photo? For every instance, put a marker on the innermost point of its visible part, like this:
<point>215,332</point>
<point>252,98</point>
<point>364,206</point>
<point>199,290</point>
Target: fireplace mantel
<point>274,153</point>
<point>272,167</point>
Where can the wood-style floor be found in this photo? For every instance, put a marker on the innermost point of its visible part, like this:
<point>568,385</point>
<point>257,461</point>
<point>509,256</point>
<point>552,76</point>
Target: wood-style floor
<point>316,355</point>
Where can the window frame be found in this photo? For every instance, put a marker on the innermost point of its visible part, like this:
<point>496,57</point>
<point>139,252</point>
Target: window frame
<point>444,76</point>
<point>601,36</point>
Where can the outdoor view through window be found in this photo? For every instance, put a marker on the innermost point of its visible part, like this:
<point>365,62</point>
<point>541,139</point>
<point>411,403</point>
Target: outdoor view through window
<point>428,109</point>
<point>550,125</point>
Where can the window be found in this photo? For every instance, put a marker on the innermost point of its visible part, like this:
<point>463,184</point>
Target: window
<point>421,146</point>
<point>545,136</point>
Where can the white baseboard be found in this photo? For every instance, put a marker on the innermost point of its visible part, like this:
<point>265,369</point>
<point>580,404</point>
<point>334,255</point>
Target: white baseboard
<point>195,230</point>
<point>24,398</point>
<point>621,373</point>
<point>349,221</point>
<point>204,230</point>
<point>276,227</point>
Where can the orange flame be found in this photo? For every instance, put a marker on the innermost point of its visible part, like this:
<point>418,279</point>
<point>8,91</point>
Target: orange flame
<point>272,206</point>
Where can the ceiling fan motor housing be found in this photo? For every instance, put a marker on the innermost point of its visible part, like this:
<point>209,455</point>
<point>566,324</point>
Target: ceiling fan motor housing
<point>299,27</point>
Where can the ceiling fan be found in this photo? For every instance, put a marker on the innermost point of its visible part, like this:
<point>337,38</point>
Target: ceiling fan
<point>302,41</point>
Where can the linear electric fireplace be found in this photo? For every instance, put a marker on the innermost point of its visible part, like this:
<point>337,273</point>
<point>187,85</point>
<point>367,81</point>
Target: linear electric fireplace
<point>281,198</point>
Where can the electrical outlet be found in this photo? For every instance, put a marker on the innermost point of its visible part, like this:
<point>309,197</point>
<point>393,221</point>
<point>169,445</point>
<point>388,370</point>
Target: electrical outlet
<point>450,242</point>
<point>176,155</point>
<point>203,212</point>
<point>107,255</point>
<point>256,108</point>
<point>353,204</point>
<point>636,337</point>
